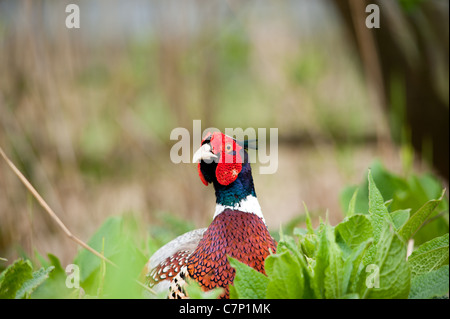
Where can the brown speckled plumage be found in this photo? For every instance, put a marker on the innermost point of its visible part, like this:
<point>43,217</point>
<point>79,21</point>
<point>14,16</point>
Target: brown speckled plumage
<point>233,233</point>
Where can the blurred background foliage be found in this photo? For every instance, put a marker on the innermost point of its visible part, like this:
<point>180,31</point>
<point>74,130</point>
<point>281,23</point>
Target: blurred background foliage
<point>87,113</point>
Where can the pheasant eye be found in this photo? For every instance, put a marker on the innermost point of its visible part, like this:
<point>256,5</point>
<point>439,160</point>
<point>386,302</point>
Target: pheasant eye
<point>228,147</point>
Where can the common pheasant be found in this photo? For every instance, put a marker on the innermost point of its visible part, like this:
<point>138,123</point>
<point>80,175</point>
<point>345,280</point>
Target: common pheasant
<point>238,228</point>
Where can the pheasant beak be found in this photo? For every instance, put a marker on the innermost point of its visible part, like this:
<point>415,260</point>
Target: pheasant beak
<point>203,153</point>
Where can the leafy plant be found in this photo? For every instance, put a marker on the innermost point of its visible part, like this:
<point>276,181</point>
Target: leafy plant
<point>364,256</point>
<point>19,280</point>
<point>405,194</point>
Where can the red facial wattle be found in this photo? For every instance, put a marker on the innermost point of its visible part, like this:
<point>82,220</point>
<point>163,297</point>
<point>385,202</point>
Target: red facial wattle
<point>230,160</point>
<point>227,173</point>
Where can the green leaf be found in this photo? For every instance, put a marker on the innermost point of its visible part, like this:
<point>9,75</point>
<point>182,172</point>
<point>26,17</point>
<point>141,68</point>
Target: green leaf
<point>352,232</point>
<point>321,264</point>
<point>387,183</point>
<point>400,217</point>
<point>430,256</point>
<point>431,284</point>
<point>286,277</point>
<point>334,272</point>
<point>55,285</point>
<point>393,280</point>
<point>54,261</point>
<point>352,267</point>
<point>308,220</point>
<point>13,277</point>
<point>352,204</point>
<point>194,291</point>
<point>419,217</point>
<point>30,285</point>
<point>308,244</point>
<point>377,210</point>
<point>110,231</point>
<point>116,240</point>
<point>19,281</point>
<point>360,200</point>
<point>410,192</point>
<point>379,217</point>
<point>287,243</point>
<point>248,282</point>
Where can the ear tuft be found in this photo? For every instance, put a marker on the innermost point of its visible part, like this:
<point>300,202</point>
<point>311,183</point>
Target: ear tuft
<point>249,144</point>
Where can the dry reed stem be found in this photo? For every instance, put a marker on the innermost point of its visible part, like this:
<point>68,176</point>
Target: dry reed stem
<point>56,218</point>
<point>50,211</point>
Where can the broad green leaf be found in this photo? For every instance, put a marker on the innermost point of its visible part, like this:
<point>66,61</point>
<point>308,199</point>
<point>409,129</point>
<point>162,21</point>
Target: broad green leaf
<point>233,292</point>
<point>406,193</point>
<point>194,291</point>
<point>285,275</point>
<point>394,275</point>
<point>248,282</point>
<point>431,284</point>
<point>418,218</point>
<point>333,281</point>
<point>308,244</point>
<point>287,243</point>
<point>116,240</point>
<point>110,232</point>
<point>55,285</point>
<point>54,261</point>
<point>352,232</point>
<point>430,256</point>
<point>352,267</point>
<point>387,183</point>
<point>13,277</point>
<point>30,285</point>
<point>119,282</point>
<point>420,190</point>
<point>377,210</point>
<point>379,217</point>
<point>19,281</point>
<point>321,264</point>
<point>400,217</point>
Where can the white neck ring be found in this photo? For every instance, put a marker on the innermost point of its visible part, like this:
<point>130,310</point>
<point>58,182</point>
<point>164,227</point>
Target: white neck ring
<point>249,204</point>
